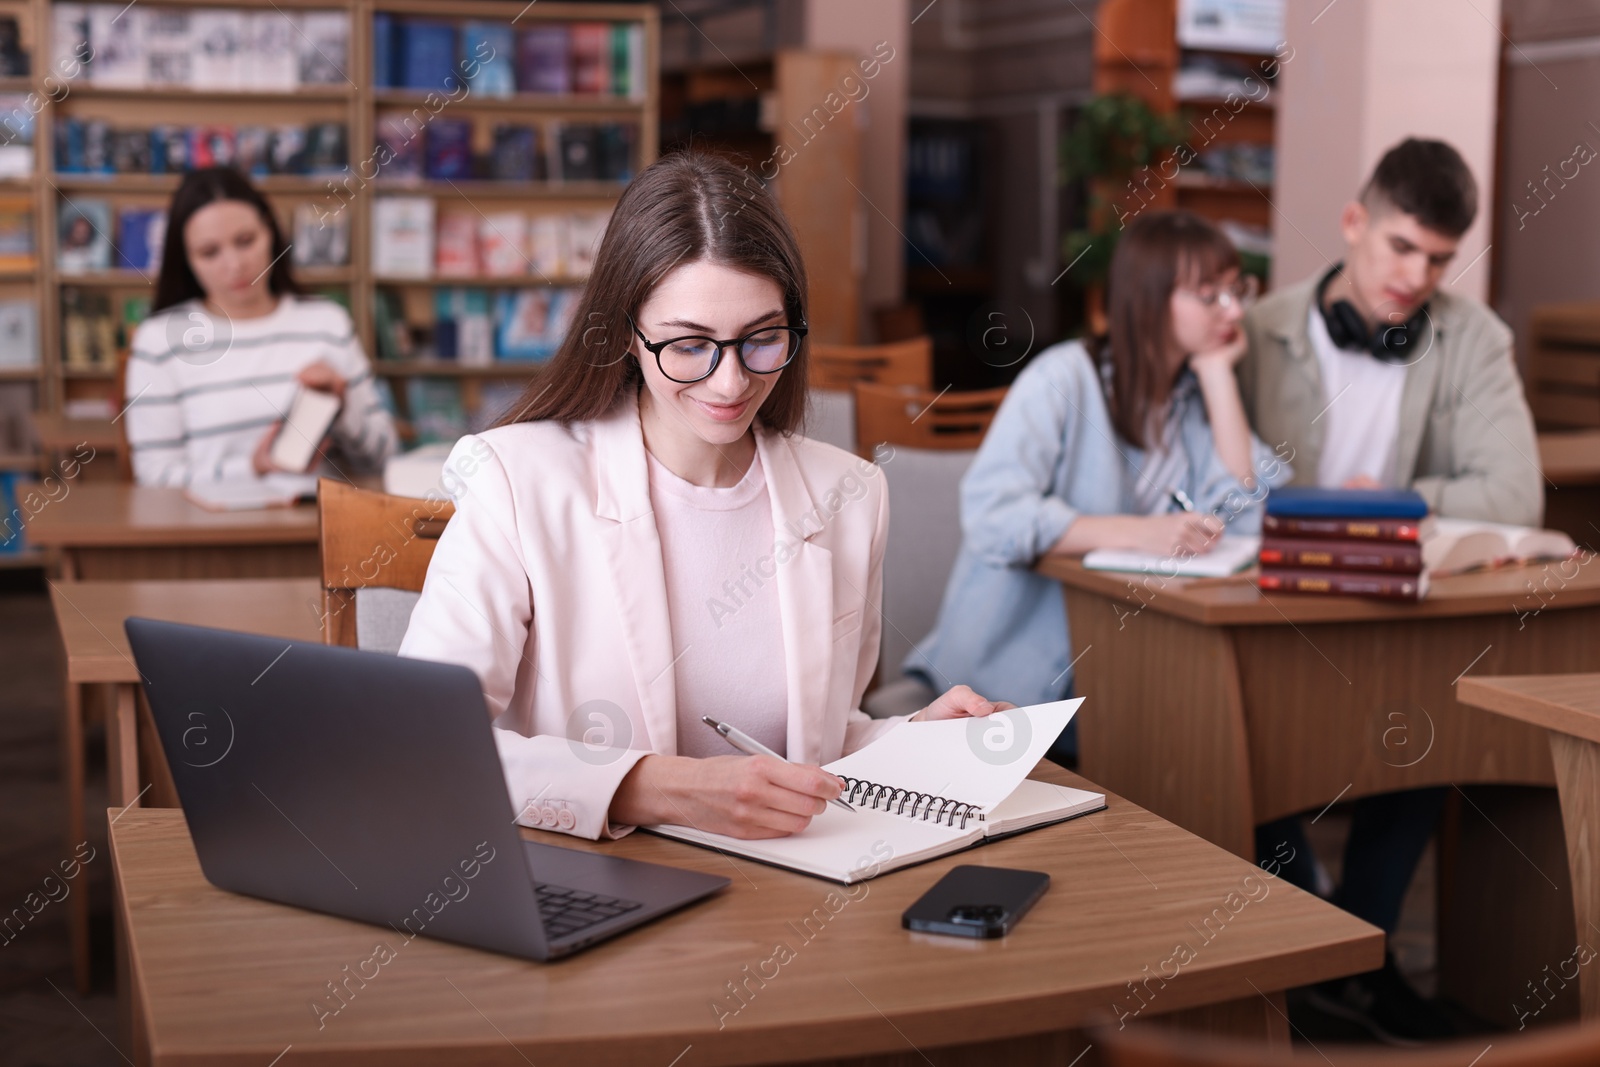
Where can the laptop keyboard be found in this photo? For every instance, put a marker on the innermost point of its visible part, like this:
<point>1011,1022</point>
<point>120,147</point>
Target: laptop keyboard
<point>566,911</point>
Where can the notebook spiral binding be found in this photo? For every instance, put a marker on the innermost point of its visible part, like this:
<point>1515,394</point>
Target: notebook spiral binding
<point>896,800</point>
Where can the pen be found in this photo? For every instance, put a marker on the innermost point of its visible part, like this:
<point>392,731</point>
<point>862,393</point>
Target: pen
<point>750,746</point>
<point>1180,498</point>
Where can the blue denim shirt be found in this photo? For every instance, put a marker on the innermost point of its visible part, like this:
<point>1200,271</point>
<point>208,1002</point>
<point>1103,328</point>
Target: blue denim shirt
<point>1052,455</point>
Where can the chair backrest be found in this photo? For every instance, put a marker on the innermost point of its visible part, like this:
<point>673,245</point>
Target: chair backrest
<point>1563,377</point>
<point>375,553</point>
<point>831,418</point>
<point>924,537</point>
<point>1153,1045</point>
<point>921,418</point>
<point>897,363</point>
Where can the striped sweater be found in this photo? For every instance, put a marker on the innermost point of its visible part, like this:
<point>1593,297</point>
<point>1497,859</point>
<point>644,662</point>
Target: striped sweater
<point>197,416</point>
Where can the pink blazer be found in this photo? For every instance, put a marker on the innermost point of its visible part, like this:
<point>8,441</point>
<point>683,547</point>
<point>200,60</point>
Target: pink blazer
<point>548,583</point>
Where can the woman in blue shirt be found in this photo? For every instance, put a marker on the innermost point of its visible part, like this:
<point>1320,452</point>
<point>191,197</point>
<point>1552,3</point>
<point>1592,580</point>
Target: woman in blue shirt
<point>1091,449</point>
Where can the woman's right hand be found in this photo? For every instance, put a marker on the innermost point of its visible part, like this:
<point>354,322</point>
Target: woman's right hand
<point>740,796</point>
<point>1179,533</point>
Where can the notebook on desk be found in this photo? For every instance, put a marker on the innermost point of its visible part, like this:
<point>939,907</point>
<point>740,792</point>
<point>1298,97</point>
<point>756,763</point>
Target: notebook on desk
<point>924,790</point>
<point>1231,554</point>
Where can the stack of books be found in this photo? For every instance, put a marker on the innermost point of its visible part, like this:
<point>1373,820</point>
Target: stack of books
<point>1345,542</point>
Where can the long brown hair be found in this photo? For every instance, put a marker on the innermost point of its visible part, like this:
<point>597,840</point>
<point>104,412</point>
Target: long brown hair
<point>684,208</point>
<point>1159,252</point>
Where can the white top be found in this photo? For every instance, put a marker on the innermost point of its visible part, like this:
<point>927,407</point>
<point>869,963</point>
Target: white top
<point>727,633</point>
<point>1362,420</point>
<point>202,391</point>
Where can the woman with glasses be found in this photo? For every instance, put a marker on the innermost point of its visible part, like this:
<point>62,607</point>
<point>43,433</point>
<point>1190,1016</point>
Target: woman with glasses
<point>1134,440</point>
<point>645,539</point>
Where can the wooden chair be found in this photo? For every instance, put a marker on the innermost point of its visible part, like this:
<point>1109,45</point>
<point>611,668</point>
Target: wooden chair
<point>1563,375</point>
<point>840,367</point>
<point>376,544</point>
<point>836,369</point>
<point>933,439</point>
<point>1153,1045</point>
<point>921,418</point>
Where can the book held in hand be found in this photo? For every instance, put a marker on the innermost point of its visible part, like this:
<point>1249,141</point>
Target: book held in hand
<point>925,789</point>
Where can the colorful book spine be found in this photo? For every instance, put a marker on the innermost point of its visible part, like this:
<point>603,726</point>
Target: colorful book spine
<point>1398,557</point>
<point>1343,583</point>
<point>1357,529</point>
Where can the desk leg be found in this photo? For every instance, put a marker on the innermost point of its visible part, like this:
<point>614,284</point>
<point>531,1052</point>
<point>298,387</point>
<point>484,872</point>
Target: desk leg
<point>1578,781</point>
<point>1163,720</point>
<point>73,772</point>
<point>122,751</point>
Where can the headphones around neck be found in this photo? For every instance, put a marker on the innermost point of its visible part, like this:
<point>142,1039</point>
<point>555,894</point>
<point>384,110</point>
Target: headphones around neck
<point>1389,342</point>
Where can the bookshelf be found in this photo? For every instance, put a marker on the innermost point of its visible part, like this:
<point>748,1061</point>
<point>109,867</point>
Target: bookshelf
<point>1140,51</point>
<point>767,114</point>
<point>356,100</point>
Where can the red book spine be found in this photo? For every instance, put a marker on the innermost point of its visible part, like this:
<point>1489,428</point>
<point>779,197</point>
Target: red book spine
<point>1342,583</point>
<point>1398,557</point>
<point>1347,529</point>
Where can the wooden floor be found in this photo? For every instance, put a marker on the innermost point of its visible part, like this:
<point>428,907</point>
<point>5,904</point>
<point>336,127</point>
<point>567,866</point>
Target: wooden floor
<point>43,1020</point>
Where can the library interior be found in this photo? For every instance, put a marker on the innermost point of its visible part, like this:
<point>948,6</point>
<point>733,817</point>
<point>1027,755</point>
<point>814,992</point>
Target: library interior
<point>1056,532</point>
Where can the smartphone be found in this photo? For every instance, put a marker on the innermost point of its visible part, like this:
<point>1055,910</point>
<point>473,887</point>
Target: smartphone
<point>971,901</point>
<point>310,416</point>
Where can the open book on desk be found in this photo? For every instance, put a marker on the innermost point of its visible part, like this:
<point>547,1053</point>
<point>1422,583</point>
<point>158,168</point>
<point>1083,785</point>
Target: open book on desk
<point>924,790</point>
<point>275,490</point>
<point>1231,554</point>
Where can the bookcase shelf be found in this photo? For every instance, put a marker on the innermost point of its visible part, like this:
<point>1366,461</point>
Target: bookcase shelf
<point>357,104</point>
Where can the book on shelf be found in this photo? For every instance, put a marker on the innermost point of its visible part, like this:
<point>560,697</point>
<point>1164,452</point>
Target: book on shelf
<point>222,48</point>
<point>542,59</point>
<point>210,146</point>
<point>89,334</point>
<point>94,147</point>
<point>515,153</point>
<point>323,47</point>
<point>69,40</point>
<point>503,243</point>
<point>492,46</point>
<point>532,323</point>
<point>456,244</point>
<point>19,334</point>
<point>17,251</point>
<point>398,152</point>
<point>595,151</point>
<point>321,238</point>
<point>252,151</point>
<point>436,409</point>
<point>118,57</point>
<point>547,245</point>
<point>15,61</point>
<point>448,149</point>
<point>392,335</point>
<point>168,44</point>
<point>16,137</point>
<point>402,236</point>
<point>326,148</point>
<point>589,52</point>
<point>129,151</point>
<point>466,316</point>
<point>425,52</point>
<point>585,231</point>
<point>140,233</point>
<point>270,42</point>
<point>84,236</point>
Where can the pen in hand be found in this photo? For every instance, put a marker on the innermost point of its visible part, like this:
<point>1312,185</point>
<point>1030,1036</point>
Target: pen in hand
<point>751,747</point>
<point>1180,498</point>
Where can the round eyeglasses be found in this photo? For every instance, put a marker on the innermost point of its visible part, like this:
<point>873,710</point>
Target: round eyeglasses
<point>692,359</point>
<point>1241,294</point>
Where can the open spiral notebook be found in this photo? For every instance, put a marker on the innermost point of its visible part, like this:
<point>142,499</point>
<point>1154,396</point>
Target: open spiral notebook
<point>924,790</point>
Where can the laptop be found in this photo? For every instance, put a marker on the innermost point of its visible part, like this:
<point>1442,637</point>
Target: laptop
<point>368,786</point>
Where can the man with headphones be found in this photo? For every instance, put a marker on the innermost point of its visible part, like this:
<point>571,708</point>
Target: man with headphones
<point>1375,378</point>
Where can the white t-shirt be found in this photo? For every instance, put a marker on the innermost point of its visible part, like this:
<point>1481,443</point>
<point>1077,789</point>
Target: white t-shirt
<point>727,630</point>
<point>1362,419</point>
<point>199,405</point>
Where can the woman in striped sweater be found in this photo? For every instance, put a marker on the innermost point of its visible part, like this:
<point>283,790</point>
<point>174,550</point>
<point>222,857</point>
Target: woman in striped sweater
<point>230,341</point>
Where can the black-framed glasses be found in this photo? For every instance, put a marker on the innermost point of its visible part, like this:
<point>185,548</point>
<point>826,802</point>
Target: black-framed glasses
<point>692,359</point>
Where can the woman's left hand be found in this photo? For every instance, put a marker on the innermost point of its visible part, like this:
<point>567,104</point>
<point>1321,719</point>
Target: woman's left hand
<point>960,702</point>
<point>322,377</point>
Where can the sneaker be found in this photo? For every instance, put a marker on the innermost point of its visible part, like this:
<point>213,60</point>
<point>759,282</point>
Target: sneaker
<point>1383,1004</point>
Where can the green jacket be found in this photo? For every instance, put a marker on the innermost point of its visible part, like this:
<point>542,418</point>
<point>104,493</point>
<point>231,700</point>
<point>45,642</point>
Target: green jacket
<point>1466,439</point>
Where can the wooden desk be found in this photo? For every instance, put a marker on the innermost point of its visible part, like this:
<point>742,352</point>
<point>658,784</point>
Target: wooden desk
<point>116,530</point>
<point>1566,707</point>
<point>59,436</point>
<point>229,979</point>
<point>1220,708</point>
<point>89,616</point>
